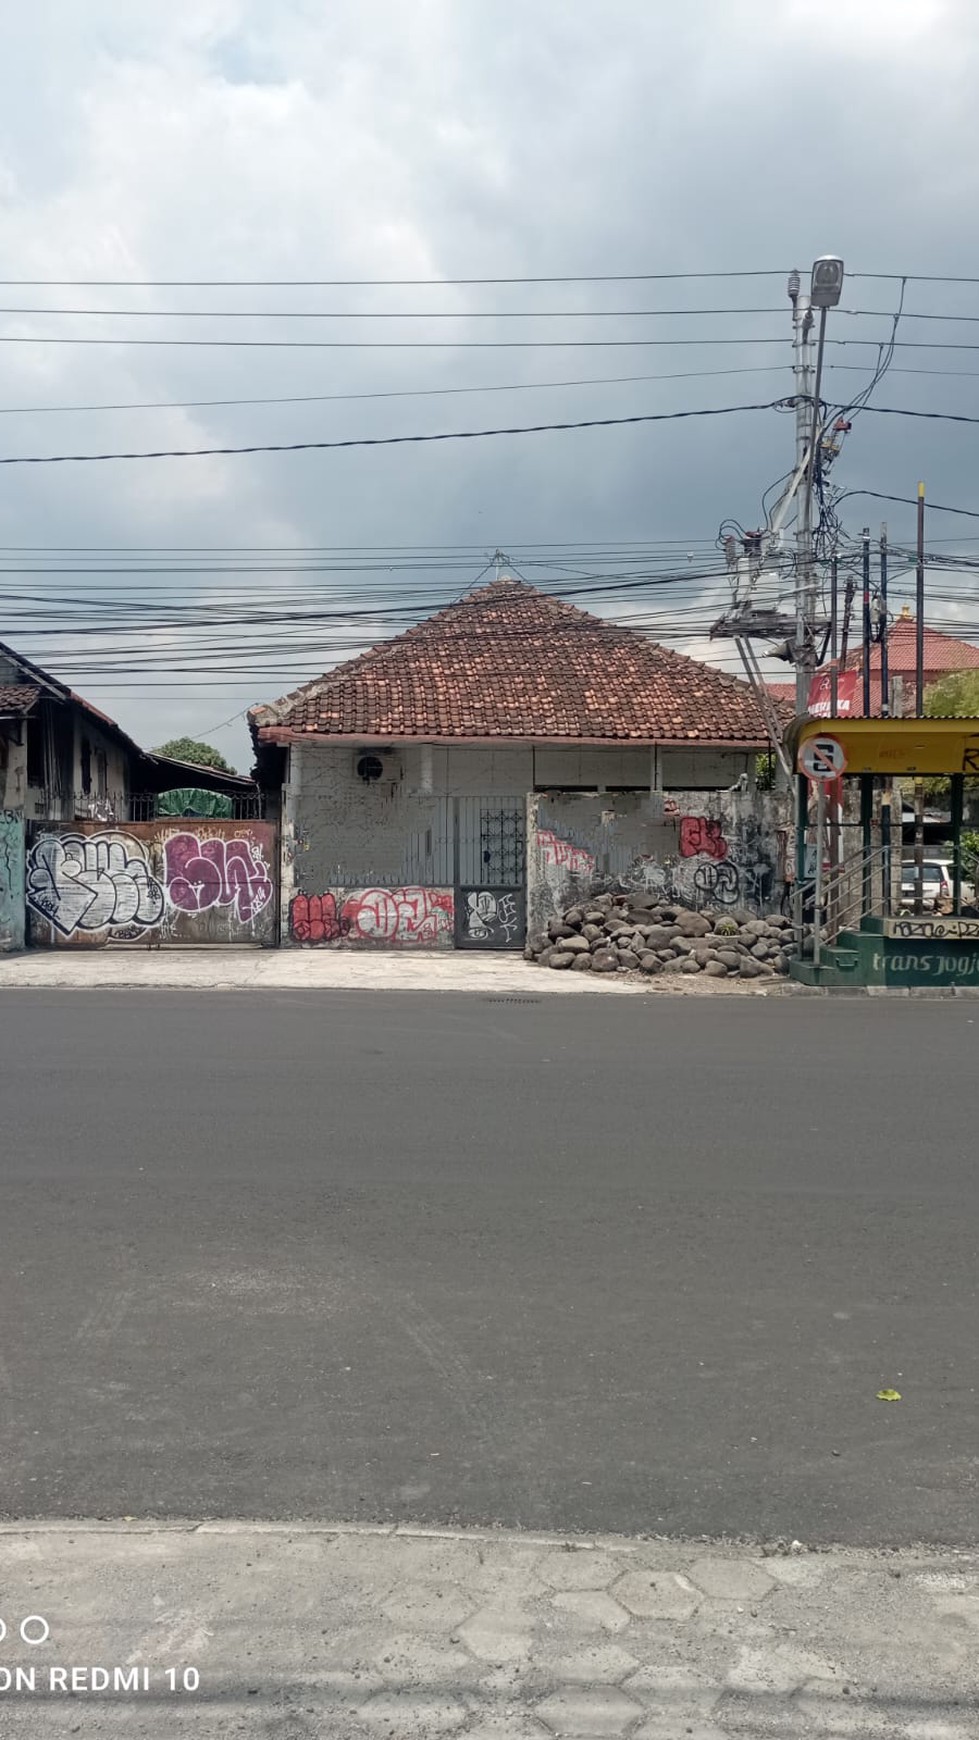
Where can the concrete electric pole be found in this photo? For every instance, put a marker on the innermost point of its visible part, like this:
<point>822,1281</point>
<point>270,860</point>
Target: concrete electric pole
<point>804,420</point>
<point>826,287</point>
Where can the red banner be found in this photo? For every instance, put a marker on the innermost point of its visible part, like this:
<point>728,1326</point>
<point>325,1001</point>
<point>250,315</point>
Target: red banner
<point>847,695</point>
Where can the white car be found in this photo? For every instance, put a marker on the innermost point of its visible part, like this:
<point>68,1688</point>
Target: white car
<point>936,885</point>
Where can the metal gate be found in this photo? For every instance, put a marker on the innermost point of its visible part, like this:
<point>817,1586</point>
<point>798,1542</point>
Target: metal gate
<point>162,883</point>
<point>490,856</point>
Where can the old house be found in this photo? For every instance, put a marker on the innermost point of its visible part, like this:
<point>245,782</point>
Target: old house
<point>102,842</point>
<point>452,785</point>
<point>60,757</point>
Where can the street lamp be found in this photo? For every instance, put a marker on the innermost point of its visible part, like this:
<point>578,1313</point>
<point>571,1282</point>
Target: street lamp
<point>827,282</point>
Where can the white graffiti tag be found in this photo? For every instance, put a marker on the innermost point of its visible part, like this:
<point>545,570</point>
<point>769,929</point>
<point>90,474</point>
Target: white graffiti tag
<point>489,915</point>
<point>92,882</point>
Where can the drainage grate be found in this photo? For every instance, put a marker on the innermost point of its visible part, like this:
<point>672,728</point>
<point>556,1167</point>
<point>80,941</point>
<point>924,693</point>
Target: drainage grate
<point>513,999</point>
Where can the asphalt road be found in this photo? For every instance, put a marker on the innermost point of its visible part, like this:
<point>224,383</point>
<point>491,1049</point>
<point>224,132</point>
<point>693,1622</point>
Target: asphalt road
<point>631,1264</point>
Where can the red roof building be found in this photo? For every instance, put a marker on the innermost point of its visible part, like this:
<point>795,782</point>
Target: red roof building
<point>943,654</point>
<point>508,664</point>
<point>443,786</point>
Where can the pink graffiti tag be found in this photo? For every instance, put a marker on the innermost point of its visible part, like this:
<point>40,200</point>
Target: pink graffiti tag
<point>398,915</point>
<point>556,851</point>
<point>201,873</point>
<point>701,834</point>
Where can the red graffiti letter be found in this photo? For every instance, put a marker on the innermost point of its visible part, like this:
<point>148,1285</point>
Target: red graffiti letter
<point>313,919</point>
<point>700,834</point>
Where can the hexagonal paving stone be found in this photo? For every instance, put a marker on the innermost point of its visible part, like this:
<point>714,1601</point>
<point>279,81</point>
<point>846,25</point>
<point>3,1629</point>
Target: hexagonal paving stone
<point>423,1607</point>
<point>656,1595</point>
<point>406,1659</point>
<point>581,1568</point>
<point>677,1727</point>
<point>507,1728</point>
<point>597,1663</point>
<point>588,1714</point>
<point>731,1579</point>
<point>591,1608</point>
<point>498,1634</point>
<point>413,1713</point>
<point>835,1712</point>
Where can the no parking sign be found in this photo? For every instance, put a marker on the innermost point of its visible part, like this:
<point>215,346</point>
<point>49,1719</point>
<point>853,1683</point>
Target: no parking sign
<point>822,758</point>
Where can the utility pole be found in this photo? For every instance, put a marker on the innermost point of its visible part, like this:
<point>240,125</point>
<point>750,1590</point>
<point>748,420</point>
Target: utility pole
<point>805,417</point>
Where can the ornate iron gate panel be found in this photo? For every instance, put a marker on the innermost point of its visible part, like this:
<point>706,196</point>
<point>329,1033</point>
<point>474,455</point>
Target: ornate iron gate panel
<point>490,873</point>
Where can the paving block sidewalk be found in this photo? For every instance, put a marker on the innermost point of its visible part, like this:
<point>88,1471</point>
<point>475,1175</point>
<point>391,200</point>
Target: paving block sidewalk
<point>302,1631</point>
<point>221,969</point>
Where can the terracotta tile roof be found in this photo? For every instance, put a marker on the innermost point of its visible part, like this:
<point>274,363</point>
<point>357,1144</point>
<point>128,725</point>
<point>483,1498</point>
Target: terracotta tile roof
<point>17,698</point>
<point>782,692</point>
<point>943,655</point>
<point>509,661</point>
<point>943,652</point>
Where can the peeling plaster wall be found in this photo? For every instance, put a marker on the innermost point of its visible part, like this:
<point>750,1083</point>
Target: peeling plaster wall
<point>11,880</point>
<point>342,836</point>
<point>716,849</point>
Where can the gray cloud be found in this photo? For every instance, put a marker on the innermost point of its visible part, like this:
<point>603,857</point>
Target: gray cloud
<point>231,139</point>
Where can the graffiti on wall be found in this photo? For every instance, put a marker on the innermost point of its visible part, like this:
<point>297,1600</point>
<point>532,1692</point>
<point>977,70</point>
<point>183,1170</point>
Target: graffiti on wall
<point>490,918</point>
<point>93,882</point>
<point>561,854</point>
<point>103,885</point>
<point>412,917</point>
<point>727,859</point>
<point>216,872</point>
<point>399,915</point>
<point>314,918</point>
<point>702,834</point>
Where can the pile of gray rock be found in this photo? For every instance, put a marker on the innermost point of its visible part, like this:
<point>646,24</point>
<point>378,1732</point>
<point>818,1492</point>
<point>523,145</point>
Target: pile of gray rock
<point>613,933</point>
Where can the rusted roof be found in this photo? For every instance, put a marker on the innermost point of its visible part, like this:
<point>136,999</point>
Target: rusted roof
<point>17,699</point>
<point>509,661</point>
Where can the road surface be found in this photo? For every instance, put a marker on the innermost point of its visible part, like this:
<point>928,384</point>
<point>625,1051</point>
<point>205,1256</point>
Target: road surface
<point>574,1264</point>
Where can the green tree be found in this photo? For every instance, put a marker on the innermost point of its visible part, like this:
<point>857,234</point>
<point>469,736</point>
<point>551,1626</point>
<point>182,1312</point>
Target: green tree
<point>955,696</point>
<point>188,749</point>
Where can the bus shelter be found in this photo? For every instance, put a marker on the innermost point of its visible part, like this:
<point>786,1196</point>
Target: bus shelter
<point>868,920</point>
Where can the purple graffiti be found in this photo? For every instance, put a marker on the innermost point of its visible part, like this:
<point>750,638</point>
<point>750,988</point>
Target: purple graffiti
<point>201,873</point>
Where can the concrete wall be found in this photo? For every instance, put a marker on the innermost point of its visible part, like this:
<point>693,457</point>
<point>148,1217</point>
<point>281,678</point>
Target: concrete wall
<point>342,837</point>
<point>11,880</point>
<point>717,849</point>
<point>13,767</point>
<point>199,882</point>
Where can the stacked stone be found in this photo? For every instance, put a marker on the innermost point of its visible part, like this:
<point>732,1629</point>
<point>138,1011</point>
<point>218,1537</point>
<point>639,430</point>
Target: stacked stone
<point>611,933</point>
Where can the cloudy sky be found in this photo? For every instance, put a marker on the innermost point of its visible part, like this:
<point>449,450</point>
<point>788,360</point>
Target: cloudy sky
<point>449,140</point>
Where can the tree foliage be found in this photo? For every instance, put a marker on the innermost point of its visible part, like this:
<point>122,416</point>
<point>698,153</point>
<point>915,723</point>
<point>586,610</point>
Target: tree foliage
<point>954,696</point>
<point>189,749</point>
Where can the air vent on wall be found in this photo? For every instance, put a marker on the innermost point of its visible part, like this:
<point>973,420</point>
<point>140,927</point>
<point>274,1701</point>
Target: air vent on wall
<point>370,768</point>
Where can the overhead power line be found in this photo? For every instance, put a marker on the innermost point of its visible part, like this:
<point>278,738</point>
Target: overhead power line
<point>373,283</point>
<point>416,392</point>
<point>406,314</point>
<point>383,440</point>
<point>426,343</point>
<point>447,313</point>
<point>452,435</point>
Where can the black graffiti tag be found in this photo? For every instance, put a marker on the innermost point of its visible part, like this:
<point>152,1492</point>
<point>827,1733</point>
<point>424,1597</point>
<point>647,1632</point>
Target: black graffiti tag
<point>717,882</point>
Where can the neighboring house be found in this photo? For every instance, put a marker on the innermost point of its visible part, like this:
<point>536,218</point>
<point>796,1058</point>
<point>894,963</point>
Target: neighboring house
<point>103,843</point>
<point>60,757</point>
<point>943,654</point>
<point>508,746</point>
